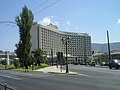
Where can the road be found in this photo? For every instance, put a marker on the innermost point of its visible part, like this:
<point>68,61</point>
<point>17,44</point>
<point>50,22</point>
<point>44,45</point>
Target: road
<point>90,78</point>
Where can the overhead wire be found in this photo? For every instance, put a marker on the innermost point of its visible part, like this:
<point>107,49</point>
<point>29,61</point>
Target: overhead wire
<point>4,22</point>
<point>46,7</point>
<point>33,9</point>
<point>4,30</point>
<point>40,4</point>
<point>8,22</point>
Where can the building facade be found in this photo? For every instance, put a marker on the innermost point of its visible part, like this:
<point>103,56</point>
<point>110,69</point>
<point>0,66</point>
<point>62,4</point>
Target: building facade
<point>49,39</point>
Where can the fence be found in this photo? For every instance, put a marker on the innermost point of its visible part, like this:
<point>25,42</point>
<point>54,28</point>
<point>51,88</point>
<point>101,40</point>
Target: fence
<point>5,87</point>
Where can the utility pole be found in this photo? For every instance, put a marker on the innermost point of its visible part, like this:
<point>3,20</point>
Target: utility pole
<point>84,49</point>
<point>61,60</point>
<point>66,58</point>
<point>108,46</point>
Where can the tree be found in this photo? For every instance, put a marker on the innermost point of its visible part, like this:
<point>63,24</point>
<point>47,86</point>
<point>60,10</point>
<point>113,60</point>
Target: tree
<point>3,62</point>
<point>24,22</point>
<point>19,53</point>
<point>38,55</point>
<point>1,51</point>
<point>45,60</point>
<point>16,63</point>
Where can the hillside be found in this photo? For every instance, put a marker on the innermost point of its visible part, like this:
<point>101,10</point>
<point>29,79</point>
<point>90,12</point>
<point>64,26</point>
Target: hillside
<point>103,47</point>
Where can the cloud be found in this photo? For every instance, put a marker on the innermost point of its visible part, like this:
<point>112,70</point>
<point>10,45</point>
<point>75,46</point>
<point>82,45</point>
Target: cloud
<point>66,25</point>
<point>118,21</point>
<point>47,20</point>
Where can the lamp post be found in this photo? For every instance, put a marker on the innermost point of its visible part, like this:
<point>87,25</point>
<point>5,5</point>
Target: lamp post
<point>52,56</point>
<point>66,39</point>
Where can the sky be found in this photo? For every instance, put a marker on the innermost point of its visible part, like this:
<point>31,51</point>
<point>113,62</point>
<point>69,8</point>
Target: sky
<point>94,17</point>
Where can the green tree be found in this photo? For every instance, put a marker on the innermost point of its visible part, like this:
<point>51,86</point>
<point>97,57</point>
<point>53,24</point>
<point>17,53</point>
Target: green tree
<point>16,63</point>
<point>45,60</point>
<point>39,56</point>
<point>19,53</point>
<point>24,22</point>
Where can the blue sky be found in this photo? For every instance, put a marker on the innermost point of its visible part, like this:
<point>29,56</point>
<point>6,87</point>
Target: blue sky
<point>94,17</point>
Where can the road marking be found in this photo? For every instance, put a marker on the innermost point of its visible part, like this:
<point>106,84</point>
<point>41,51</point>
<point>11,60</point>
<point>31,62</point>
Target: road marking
<point>11,77</point>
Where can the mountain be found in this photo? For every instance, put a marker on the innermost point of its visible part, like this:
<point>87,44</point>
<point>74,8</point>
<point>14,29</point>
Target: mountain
<point>104,47</point>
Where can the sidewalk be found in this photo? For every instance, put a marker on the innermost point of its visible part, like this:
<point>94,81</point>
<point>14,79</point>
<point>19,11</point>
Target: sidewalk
<point>55,70</point>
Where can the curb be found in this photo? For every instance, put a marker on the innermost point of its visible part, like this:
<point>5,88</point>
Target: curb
<point>63,73</point>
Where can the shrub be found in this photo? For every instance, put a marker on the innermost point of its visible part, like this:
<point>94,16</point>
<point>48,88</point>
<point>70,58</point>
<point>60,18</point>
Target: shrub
<point>16,63</point>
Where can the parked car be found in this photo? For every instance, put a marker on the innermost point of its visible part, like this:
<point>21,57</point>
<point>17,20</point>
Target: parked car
<point>114,63</point>
<point>92,63</point>
<point>104,64</point>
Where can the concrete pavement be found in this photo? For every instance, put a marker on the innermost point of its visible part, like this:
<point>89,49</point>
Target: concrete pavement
<point>55,70</point>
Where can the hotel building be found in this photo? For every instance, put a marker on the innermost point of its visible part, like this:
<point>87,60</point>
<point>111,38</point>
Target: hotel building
<point>49,39</point>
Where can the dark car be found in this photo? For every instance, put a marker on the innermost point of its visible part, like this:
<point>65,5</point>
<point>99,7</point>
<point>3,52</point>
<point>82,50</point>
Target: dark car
<point>114,63</point>
<point>104,64</point>
<point>92,63</point>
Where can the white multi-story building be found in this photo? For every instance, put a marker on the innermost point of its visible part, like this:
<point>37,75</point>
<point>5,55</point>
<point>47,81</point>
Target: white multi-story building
<point>49,38</point>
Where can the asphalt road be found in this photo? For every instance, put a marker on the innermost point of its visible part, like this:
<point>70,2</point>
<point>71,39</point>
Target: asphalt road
<point>90,78</point>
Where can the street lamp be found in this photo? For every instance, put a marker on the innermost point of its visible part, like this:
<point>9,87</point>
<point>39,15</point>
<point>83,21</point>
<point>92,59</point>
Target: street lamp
<point>66,40</point>
<point>52,56</point>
